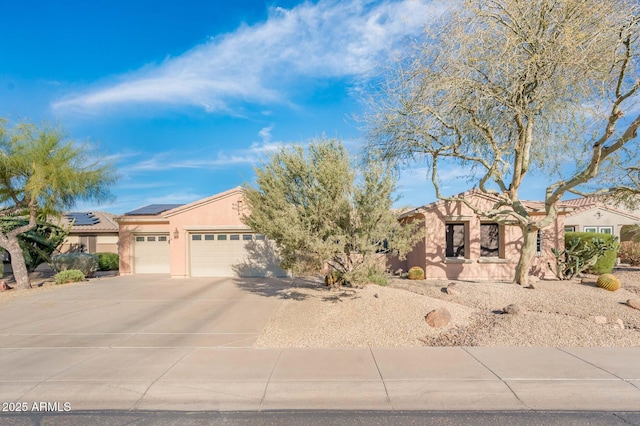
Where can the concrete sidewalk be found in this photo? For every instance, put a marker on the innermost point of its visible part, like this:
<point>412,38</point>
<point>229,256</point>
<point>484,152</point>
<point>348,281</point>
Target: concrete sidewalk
<point>470,378</point>
<point>153,343</point>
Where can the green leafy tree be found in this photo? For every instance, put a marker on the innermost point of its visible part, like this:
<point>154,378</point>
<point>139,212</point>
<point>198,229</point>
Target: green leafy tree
<point>39,243</point>
<point>42,173</point>
<point>318,210</point>
<point>509,91</point>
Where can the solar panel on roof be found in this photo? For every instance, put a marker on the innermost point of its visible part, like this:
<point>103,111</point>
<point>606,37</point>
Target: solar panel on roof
<point>152,209</point>
<point>82,219</point>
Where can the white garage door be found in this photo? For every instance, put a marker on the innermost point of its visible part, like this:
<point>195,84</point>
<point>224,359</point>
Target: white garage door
<point>232,255</point>
<point>151,254</point>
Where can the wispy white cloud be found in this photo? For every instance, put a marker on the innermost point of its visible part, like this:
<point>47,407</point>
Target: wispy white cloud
<point>172,160</point>
<point>256,64</point>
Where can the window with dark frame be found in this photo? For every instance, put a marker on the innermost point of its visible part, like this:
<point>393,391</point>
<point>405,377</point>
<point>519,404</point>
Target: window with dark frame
<point>489,240</point>
<point>456,236</point>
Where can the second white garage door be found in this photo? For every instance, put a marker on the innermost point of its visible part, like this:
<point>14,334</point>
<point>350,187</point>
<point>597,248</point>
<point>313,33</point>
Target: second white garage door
<point>232,255</point>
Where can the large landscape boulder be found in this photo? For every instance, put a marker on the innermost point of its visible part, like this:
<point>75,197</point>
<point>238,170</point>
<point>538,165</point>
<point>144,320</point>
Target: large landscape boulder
<point>438,318</point>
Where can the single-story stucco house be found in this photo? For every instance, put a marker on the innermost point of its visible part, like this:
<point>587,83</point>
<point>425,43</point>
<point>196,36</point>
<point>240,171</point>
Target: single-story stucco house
<point>91,232</point>
<point>594,214</point>
<point>458,244</point>
<point>205,238</point>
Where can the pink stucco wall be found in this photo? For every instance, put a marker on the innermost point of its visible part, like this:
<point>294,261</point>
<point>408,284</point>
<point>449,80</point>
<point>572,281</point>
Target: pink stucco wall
<point>430,254</point>
<point>217,213</point>
<point>131,226</point>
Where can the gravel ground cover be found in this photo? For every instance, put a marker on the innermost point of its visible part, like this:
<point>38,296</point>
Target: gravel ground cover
<point>554,313</point>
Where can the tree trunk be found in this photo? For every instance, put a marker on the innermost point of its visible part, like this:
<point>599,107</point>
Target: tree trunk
<point>18,265</point>
<point>530,236</point>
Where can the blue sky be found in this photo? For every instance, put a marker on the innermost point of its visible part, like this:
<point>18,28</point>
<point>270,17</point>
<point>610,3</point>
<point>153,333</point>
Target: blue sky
<point>187,97</point>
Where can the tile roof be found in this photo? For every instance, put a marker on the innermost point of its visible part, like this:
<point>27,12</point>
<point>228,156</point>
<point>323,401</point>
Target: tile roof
<point>602,206</point>
<point>600,201</point>
<point>533,206</point>
<point>89,221</point>
<point>585,201</point>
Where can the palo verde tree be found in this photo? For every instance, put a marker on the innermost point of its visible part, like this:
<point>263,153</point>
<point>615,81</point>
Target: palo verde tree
<point>318,210</point>
<point>42,173</point>
<point>511,91</point>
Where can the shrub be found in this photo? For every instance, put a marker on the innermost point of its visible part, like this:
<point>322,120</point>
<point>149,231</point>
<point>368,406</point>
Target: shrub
<point>85,262</point>
<point>108,261</point>
<point>377,277</point>
<point>415,273</point>
<point>334,279</point>
<point>69,276</point>
<point>630,233</point>
<point>630,253</point>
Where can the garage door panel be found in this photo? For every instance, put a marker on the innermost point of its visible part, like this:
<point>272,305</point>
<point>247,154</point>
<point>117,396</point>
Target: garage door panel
<point>151,254</point>
<point>231,255</point>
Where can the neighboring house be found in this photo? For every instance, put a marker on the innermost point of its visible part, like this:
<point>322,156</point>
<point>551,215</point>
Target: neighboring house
<point>458,244</point>
<point>593,214</point>
<point>91,232</point>
<point>205,238</point>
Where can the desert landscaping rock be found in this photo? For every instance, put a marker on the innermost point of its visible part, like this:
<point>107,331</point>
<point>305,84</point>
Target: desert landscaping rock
<point>634,303</point>
<point>618,323</point>
<point>438,318</point>
<point>511,309</point>
<point>452,289</point>
<point>599,319</point>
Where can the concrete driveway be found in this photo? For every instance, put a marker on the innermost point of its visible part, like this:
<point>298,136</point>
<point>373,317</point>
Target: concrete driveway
<point>103,344</point>
<point>143,311</point>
